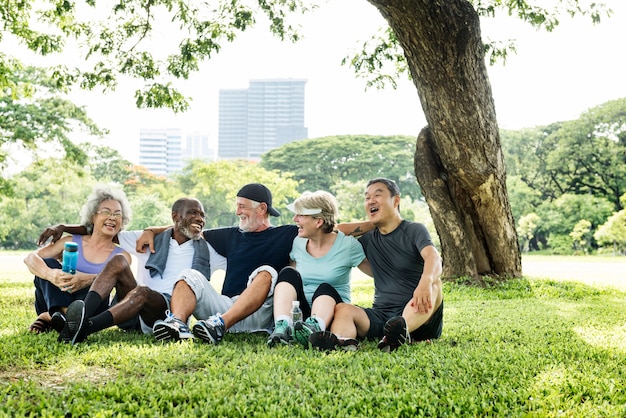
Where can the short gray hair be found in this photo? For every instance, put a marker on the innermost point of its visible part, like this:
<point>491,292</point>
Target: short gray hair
<point>100,193</point>
<point>323,200</point>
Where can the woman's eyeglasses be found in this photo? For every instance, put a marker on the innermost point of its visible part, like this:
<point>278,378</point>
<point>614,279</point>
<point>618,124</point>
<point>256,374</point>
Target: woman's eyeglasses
<point>108,214</point>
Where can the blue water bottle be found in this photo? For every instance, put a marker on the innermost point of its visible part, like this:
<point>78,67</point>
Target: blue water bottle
<point>70,257</point>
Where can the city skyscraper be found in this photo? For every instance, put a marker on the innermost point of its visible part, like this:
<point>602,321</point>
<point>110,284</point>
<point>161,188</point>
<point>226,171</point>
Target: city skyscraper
<point>266,115</point>
<point>160,150</point>
<point>198,148</point>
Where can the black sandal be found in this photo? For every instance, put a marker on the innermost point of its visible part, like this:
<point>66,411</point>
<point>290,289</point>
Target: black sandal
<point>40,326</point>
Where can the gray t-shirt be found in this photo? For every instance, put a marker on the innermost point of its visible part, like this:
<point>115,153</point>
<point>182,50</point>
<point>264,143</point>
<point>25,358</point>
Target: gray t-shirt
<point>396,262</point>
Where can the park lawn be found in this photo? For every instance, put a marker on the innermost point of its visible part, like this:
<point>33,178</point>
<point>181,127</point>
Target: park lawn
<point>526,347</point>
<point>598,271</point>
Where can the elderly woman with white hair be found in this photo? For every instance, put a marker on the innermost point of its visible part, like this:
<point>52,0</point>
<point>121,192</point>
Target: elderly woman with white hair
<point>319,272</point>
<point>106,213</point>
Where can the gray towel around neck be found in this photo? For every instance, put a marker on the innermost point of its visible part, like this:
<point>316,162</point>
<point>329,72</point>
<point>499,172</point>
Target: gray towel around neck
<point>157,260</point>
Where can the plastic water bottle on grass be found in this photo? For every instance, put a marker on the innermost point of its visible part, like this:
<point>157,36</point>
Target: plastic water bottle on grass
<point>296,313</point>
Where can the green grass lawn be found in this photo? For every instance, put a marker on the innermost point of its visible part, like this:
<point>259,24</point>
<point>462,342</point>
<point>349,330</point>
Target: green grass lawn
<point>528,347</point>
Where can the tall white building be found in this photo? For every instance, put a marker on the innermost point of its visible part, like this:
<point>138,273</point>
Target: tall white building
<point>160,150</point>
<point>198,148</point>
<point>264,116</point>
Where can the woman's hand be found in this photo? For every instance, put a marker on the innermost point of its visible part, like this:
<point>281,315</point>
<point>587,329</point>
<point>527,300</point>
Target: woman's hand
<point>76,282</point>
<point>59,278</point>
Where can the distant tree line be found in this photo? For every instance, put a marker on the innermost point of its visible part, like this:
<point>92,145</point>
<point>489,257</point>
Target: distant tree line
<point>52,190</point>
<point>566,183</point>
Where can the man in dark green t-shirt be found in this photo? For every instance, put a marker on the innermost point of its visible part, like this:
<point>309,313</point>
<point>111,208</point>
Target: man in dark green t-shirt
<point>406,266</point>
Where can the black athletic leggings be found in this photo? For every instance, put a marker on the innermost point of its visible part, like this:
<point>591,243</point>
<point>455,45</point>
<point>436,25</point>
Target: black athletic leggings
<point>293,277</point>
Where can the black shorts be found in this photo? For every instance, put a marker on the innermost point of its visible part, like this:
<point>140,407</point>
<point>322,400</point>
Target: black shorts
<point>428,331</point>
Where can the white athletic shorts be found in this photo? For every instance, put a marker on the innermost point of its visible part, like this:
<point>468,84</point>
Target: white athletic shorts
<point>210,302</point>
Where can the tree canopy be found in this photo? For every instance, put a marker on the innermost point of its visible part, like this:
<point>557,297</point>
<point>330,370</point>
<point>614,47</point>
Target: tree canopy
<point>34,112</point>
<point>586,155</point>
<point>321,163</point>
<point>115,38</point>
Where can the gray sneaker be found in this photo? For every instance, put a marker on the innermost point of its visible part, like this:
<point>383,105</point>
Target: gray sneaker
<point>303,330</point>
<point>210,330</point>
<point>281,334</point>
<point>171,328</point>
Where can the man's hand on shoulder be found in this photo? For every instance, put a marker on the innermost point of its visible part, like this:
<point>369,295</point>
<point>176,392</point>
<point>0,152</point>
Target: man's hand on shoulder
<point>54,232</point>
<point>145,241</point>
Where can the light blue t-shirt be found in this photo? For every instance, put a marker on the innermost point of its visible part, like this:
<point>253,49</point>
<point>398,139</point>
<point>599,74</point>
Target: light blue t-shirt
<point>333,268</point>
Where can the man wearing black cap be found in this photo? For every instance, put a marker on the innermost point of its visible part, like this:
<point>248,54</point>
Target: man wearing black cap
<point>255,251</point>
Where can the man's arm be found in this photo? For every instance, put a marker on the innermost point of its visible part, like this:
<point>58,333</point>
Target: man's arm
<point>355,229</point>
<point>56,232</point>
<point>424,295</point>
<point>365,267</point>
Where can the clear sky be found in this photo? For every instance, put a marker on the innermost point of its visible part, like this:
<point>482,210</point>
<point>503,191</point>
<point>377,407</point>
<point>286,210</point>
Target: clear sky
<point>554,76</point>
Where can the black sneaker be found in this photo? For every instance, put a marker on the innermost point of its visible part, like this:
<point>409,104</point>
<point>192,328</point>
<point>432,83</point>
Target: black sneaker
<point>396,334</point>
<point>58,321</point>
<point>210,330</point>
<point>77,322</point>
<point>348,344</point>
<point>66,334</point>
<point>324,340</point>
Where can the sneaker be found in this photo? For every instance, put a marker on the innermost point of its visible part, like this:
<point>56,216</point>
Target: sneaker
<point>303,330</point>
<point>210,330</point>
<point>58,321</point>
<point>396,334</point>
<point>75,329</point>
<point>171,328</point>
<point>65,336</point>
<point>324,340</point>
<point>348,344</point>
<point>281,334</point>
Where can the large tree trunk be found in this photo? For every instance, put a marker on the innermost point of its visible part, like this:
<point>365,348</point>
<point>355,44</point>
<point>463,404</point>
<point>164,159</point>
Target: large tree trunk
<point>458,162</point>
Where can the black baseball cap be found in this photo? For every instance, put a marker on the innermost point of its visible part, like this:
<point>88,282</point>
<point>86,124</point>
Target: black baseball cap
<point>258,193</point>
